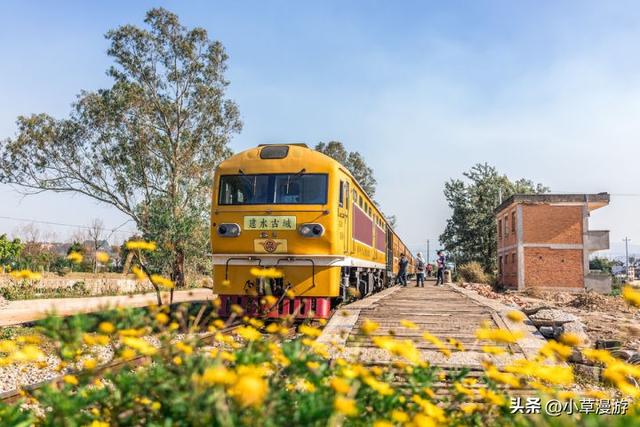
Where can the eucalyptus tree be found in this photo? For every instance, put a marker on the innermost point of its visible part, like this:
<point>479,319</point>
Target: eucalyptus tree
<point>147,145</point>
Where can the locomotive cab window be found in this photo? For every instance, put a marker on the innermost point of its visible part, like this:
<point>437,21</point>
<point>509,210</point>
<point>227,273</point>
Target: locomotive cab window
<point>273,189</point>
<point>342,192</point>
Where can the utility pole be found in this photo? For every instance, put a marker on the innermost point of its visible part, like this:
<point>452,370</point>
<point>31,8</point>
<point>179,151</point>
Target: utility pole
<point>626,241</point>
<point>428,257</point>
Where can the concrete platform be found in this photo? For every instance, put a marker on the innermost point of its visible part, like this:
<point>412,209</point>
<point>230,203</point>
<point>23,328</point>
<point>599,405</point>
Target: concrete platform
<point>22,311</point>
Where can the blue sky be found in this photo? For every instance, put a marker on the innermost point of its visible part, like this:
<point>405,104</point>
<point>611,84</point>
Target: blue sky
<point>543,90</point>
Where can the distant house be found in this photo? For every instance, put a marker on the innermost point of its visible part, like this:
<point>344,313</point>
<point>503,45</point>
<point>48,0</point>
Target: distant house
<point>544,242</point>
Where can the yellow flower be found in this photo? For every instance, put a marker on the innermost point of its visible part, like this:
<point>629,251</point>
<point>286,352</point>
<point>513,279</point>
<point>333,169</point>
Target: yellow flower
<point>570,339</point>
<point>272,328</point>
<point>162,318</point>
<point>442,348</point>
<point>102,257</point>
<point>345,406</point>
<point>185,348</point>
<point>368,327</point>
<point>218,375</point>
<point>270,272</point>
<point>380,387</point>
<point>96,423</point>
<point>137,271</point>
<point>516,316</point>
<point>602,356</point>
<point>399,416</point>
<point>155,406</point>
<point>159,280</point>
<point>553,374</point>
<point>309,331</point>
<point>503,377</point>
<point>28,353</point>
<point>455,344</point>
<point>429,409</point>
<point>408,324</point>
<point>141,245</point>
<point>249,390</point>
<point>490,349</point>
<point>304,386</point>
<point>554,350</point>
<point>70,379</point>
<point>75,257</point>
<point>90,364</point>
<point>140,345</point>
<point>491,396</point>
<point>26,274</point>
<point>128,353</point>
<point>499,335</point>
<point>339,385</point>
<point>106,327</point>
<point>313,365</point>
<point>177,360</point>
<point>460,389</point>
<point>382,423</point>
<point>421,420</point>
<point>249,333</point>
<point>631,295</point>
<point>470,407</point>
<point>269,300</point>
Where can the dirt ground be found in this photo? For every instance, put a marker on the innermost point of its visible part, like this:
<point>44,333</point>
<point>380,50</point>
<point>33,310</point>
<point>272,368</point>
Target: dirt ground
<point>605,317</point>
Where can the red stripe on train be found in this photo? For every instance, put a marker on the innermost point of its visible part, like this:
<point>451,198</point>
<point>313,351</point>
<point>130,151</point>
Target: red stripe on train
<point>362,226</point>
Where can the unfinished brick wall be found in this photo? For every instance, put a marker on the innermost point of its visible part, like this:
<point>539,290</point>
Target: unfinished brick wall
<point>553,267</point>
<point>552,224</point>
<point>509,268</point>
<point>506,223</point>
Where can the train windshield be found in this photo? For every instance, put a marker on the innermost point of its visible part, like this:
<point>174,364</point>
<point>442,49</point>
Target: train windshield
<point>273,189</point>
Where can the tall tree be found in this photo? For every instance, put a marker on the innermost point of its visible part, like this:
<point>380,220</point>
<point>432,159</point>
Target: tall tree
<point>152,139</point>
<point>470,233</point>
<point>353,161</point>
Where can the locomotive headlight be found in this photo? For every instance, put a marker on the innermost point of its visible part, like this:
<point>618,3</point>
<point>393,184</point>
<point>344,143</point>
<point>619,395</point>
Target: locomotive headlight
<point>311,230</point>
<point>228,230</point>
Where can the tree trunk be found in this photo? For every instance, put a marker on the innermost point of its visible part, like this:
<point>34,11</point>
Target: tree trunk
<point>177,275</point>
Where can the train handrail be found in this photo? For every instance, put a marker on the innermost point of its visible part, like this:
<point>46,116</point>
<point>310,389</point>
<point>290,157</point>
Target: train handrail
<point>313,267</point>
<point>248,258</point>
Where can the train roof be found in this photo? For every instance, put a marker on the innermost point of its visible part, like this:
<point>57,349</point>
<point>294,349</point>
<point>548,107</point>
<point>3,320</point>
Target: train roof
<point>299,156</point>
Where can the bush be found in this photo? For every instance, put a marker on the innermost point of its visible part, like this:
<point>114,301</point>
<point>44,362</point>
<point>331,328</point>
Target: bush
<point>473,272</point>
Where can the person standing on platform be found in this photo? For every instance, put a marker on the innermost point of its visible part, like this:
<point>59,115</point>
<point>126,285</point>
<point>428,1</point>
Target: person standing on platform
<point>403,263</point>
<point>420,267</point>
<point>440,261</point>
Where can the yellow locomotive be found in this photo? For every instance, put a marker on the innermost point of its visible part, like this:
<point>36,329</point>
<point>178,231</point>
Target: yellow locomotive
<point>293,210</point>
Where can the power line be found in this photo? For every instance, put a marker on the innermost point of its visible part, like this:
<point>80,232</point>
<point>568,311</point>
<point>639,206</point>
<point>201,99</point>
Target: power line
<point>86,227</point>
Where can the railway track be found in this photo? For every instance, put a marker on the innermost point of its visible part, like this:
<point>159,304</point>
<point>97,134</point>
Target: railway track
<point>444,312</point>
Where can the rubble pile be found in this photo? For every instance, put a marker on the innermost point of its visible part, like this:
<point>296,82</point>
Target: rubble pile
<point>592,316</point>
<point>488,292</point>
<point>594,301</point>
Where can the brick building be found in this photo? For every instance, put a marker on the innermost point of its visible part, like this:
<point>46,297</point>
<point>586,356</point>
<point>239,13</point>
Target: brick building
<point>544,241</point>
